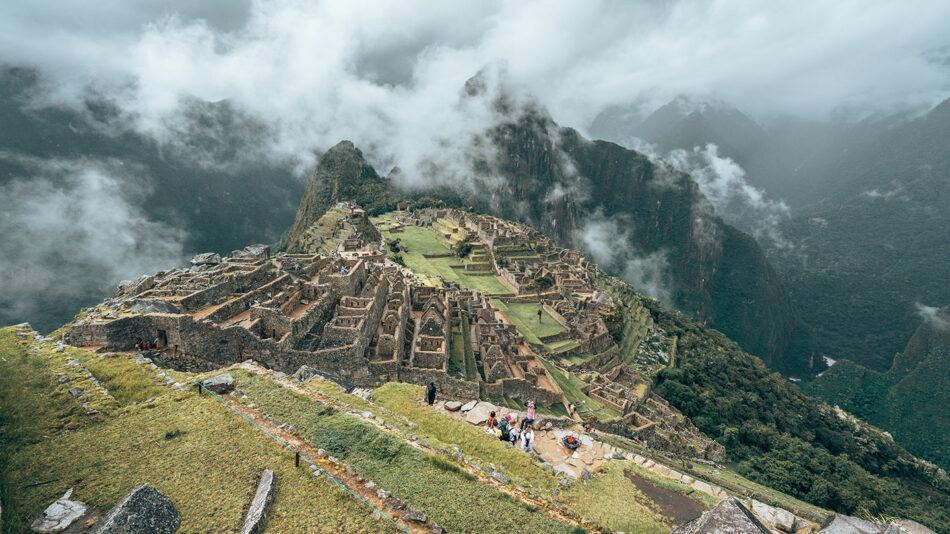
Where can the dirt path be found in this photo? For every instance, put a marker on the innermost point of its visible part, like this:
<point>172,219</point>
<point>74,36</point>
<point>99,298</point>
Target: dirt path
<point>674,505</point>
<point>297,387</point>
<point>353,481</point>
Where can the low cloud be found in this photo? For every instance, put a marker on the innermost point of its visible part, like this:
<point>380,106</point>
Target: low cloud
<point>932,316</point>
<point>723,182</point>
<point>606,240</point>
<point>71,231</point>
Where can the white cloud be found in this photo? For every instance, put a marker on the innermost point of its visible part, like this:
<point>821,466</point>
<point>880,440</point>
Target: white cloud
<point>71,231</point>
<point>387,75</point>
<point>932,316</point>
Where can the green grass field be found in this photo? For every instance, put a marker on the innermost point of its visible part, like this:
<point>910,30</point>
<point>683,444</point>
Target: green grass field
<point>450,497</point>
<point>457,355</point>
<point>524,315</point>
<point>204,457</point>
<point>421,241</point>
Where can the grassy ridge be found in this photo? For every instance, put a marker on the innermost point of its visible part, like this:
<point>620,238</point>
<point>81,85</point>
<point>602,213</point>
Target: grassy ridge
<point>448,496</point>
<point>193,449</point>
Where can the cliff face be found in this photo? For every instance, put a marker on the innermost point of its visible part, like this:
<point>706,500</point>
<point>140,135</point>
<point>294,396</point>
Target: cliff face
<point>560,182</point>
<point>653,222</point>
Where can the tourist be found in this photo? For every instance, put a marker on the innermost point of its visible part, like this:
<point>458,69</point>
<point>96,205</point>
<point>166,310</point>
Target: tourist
<point>527,439</point>
<point>430,393</point>
<point>504,429</point>
<point>490,424</point>
<point>539,313</point>
<point>529,417</point>
<point>513,435</point>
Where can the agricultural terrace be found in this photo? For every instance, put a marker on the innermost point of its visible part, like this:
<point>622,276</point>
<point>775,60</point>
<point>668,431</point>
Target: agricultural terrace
<point>547,334</point>
<point>190,447</point>
<point>424,252</point>
<point>571,386</point>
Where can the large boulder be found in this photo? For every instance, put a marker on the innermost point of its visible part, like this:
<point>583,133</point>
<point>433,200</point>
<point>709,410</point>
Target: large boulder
<point>260,505</point>
<point>206,258</point>
<point>479,414</point>
<point>727,516</point>
<point>846,524</point>
<point>257,252</point>
<point>453,406</point>
<point>776,517</point>
<point>59,515</point>
<point>220,384</point>
<point>143,510</point>
<point>908,527</point>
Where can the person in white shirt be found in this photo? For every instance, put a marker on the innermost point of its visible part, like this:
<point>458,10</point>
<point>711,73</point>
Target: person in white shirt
<point>527,439</point>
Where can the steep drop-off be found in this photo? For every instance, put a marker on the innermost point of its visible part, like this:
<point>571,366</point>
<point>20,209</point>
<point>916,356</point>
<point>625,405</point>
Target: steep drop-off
<point>657,226</point>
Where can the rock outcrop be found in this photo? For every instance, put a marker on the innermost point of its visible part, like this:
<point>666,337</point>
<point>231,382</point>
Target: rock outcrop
<point>260,505</point>
<point>727,516</point>
<point>206,258</point>
<point>59,515</point>
<point>142,510</point>
<point>220,384</point>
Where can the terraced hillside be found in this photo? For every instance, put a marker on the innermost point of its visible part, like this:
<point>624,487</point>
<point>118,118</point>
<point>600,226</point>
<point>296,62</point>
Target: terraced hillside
<point>143,423</point>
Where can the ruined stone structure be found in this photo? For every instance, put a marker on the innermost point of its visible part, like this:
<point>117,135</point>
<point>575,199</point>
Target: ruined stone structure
<point>342,308</point>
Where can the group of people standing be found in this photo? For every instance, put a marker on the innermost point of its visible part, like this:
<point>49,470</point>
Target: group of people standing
<point>506,428</point>
<point>146,345</point>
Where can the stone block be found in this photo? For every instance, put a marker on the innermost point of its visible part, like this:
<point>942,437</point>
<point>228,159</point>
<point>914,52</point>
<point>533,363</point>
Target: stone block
<point>144,509</point>
<point>260,505</point>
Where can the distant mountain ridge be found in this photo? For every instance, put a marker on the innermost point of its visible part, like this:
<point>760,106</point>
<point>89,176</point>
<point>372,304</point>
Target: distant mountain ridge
<point>907,399</point>
<point>559,182</point>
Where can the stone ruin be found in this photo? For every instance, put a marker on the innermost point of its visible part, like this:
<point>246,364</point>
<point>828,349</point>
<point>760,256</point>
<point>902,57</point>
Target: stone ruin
<point>362,320</point>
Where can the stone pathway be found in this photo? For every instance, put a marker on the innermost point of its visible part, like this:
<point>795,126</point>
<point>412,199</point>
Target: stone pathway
<point>588,457</point>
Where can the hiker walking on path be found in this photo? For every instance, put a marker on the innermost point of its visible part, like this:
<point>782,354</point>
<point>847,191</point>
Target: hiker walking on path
<point>529,417</point>
<point>430,393</point>
<point>539,313</point>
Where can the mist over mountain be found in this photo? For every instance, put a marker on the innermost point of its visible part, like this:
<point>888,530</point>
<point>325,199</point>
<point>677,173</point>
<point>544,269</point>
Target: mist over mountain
<point>200,126</point>
<point>87,202</point>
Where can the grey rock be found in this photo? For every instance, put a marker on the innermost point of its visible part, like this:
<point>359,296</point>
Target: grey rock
<point>845,524</point>
<point>436,529</point>
<point>369,485</point>
<point>468,405</point>
<point>59,515</point>
<point>414,516</point>
<point>144,509</point>
<point>260,505</point>
<point>383,494</point>
<point>207,258</point>
<point>453,406</point>
<point>585,475</point>
<point>220,384</point>
<point>75,392</point>
<point>727,516</point>
<point>500,477</point>
<point>305,373</point>
<point>392,503</point>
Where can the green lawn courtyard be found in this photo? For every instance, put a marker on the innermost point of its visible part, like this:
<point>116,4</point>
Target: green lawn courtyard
<point>421,242</point>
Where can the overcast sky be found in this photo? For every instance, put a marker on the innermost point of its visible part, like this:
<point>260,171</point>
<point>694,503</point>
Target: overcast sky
<point>388,76</point>
<point>381,73</point>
